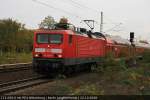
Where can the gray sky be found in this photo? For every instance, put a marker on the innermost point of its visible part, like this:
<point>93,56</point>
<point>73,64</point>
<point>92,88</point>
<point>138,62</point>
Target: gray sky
<point>133,14</point>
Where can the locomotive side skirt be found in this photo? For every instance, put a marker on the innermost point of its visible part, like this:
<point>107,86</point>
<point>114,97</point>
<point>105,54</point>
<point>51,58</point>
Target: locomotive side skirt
<point>75,61</point>
<point>68,61</point>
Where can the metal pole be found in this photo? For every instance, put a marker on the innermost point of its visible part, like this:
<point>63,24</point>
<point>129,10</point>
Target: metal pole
<point>101,25</point>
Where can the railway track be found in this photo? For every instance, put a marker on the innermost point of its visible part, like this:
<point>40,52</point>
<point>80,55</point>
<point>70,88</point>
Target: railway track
<point>15,67</point>
<point>21,84</point>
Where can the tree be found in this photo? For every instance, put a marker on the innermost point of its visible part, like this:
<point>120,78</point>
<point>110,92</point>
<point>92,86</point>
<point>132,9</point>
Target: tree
<point>14,36</point>
<point>48,23</point>
<point>63,20</point>
<point>63,24</point>
<point>8,30</point>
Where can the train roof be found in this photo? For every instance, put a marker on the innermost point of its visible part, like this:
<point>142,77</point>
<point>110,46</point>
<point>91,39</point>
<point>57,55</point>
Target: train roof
<point>55,31</point>
<point>117,40</point>
<point>95,35</point>
<point>144,45</point>
<point>109,41</point>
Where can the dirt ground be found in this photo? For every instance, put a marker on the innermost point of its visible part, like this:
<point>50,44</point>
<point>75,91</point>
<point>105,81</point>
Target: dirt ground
<point>16,75</point>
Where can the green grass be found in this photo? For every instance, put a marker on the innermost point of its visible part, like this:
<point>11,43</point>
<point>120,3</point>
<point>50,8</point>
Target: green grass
<point>88,89</point>
<point>13,57</point>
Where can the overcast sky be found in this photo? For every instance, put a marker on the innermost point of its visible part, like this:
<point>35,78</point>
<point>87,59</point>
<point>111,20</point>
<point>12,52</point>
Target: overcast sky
<point>133,14</point>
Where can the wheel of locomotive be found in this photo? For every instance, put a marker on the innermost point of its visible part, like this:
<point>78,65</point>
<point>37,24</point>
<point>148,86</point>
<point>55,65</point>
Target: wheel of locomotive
<point>84,67</point>
<point>62,69</point>
<point>77,68</point>
<point>50,74</point>
<point>68,70</point>
<point>48,70</point>
<point>88,67</point>
<point>94,66</point>
<point>36,68</point>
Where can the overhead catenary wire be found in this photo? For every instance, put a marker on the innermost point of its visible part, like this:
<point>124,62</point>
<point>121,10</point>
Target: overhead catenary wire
<point>79,5</point>
<point>61,10</point>
<point>83,6</point>
<point>113,28</point>
<point>72,3</point>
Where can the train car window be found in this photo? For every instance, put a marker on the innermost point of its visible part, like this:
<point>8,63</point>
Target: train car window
<point>70,39</point>
<point>42,38</point>
<point>56,38</point>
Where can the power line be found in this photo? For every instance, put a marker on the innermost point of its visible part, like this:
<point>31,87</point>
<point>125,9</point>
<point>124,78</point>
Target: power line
<point>82,6</point>
<point>113,28</point>
<point>61,10</point>
<point>72,3</point>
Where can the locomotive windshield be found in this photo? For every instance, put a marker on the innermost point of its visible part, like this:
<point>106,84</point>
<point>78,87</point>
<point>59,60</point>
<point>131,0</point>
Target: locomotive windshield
<point>42,38</point>
<point>55,38</point>
<point>49,38</point>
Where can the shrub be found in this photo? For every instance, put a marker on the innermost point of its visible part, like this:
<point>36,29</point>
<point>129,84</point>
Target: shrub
<point>110,63</point>
<point>146,56</point>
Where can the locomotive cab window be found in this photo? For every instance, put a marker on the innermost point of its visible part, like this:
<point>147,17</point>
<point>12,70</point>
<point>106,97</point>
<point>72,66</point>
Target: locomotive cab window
<point>70,39</point>
<point>50,38</point>
<point>42,38</point>
<point>55,38</point>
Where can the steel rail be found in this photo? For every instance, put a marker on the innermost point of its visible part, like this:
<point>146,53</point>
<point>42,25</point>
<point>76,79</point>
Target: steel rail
<point>15,67</point>
<point>21,84</point>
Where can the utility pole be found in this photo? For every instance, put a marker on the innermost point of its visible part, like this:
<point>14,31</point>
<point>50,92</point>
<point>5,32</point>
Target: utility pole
<point>101,25</point>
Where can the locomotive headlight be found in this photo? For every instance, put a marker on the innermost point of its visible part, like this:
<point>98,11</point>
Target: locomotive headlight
<point>39,49</point>
<point>36,55</point>
<point>59,56</point>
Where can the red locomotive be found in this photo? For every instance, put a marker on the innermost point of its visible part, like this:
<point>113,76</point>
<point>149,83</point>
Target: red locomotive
<point>59,49</point>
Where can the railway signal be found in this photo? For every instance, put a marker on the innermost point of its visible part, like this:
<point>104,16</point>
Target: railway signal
<point>132,49</point>
<point>131,37</point>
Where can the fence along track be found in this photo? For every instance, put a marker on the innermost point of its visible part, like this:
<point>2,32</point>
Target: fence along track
<point>15,67</point>
<point>21,84</point>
